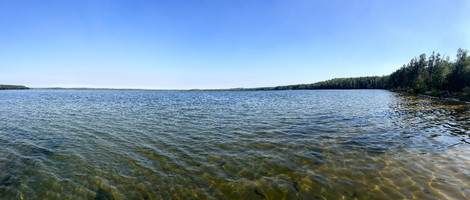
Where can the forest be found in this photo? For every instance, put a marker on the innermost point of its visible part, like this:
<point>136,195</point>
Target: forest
<point>433,75</point>
<point>12,87</point>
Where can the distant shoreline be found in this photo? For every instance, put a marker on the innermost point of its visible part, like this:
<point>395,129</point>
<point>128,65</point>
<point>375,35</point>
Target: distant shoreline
<point>21,87</point>
<point>193,90</point>
<point>13,87</point>
<point>432,76</point>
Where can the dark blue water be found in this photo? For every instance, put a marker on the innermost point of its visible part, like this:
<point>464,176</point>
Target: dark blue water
<point>322,144</point>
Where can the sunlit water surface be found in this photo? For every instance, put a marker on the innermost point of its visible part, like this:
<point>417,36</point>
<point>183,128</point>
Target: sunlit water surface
<point>325,144</point>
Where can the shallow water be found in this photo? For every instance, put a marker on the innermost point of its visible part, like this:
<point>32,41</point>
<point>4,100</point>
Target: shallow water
<point>322,144</point>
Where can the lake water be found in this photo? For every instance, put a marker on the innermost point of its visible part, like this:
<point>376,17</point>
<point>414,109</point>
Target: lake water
<point>321,144</point>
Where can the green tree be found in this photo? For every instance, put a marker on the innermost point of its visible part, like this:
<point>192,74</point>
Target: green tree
<point>460,75</point>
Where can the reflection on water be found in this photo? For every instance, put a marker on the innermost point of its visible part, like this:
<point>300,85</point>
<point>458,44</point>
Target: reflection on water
<point>350,144</point>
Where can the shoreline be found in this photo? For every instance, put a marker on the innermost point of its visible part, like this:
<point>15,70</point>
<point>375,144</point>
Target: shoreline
<point>446,98</point>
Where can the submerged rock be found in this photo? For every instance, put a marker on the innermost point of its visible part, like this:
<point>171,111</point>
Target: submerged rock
<point>426,191</point>
<point>296,186</point>
<point>259,193</point>
<point>102,195</point>
<point>222,163</point>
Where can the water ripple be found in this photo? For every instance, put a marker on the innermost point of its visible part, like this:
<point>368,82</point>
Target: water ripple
<point>352,144</point>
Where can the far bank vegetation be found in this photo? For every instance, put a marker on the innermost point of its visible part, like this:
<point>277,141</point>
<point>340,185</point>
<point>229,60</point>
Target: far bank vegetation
<point>433,75</point>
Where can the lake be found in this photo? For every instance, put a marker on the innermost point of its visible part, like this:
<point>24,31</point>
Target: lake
<point>317,144</point>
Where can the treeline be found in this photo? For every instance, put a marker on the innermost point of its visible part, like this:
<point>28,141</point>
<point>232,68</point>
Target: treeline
<point>369,82</point>
<point>431,75</point>
<point>12,87</point>
<point>435,76</point>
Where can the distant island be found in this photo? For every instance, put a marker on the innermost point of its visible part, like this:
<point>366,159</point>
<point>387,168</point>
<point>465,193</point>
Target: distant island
<point>13,87</point>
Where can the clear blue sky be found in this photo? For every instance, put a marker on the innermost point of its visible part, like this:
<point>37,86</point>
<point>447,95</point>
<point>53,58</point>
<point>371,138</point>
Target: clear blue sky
<point>219,43</point>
